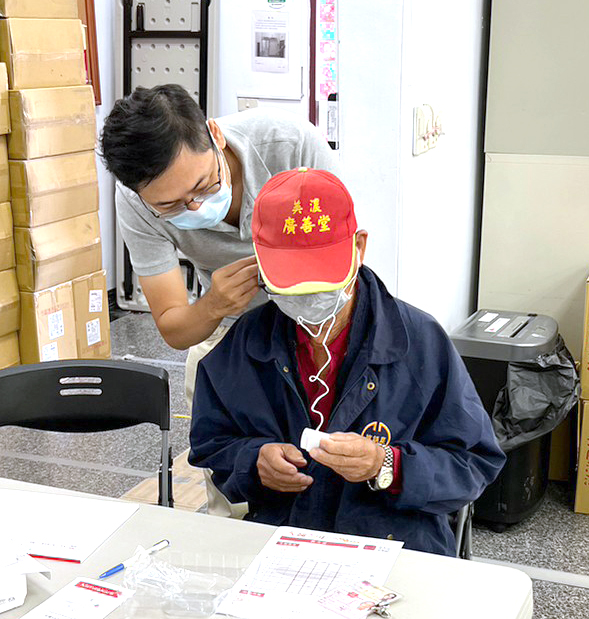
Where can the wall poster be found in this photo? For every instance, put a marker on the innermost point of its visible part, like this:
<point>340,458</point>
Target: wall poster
<point>270,36</point>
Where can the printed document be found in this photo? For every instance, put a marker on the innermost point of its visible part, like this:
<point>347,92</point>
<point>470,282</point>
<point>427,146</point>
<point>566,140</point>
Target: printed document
<point>298,566</point>
<point>14,567</point>
<point>60,526</point>
<point>83,598</point>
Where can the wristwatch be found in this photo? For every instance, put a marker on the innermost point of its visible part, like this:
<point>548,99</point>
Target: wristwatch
<point>385,476</point>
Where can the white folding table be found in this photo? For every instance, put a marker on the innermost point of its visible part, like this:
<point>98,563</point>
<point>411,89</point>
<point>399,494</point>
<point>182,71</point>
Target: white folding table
<point>431,585</point>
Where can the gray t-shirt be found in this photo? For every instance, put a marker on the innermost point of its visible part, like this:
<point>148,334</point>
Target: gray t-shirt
<point>266,141</point>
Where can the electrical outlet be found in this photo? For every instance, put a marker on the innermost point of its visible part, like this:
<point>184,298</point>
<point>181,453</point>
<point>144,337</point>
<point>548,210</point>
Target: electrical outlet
<point>427,129</point>
<point>436,132</point>
<point>246,104</point>
<point>420,143</point>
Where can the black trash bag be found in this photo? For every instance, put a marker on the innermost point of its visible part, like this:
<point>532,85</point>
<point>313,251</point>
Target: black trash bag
<point>537,397</point>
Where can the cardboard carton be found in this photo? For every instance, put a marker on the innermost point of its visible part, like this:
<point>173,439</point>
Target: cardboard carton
<point>53,188</point>
<point>48,330</point>
<point>63,9</point>
<point>4,178</point>
<point>585,350</point>
<point>41,53</point>
<point>92,319</point>
<point>9,354</point>
<point>58,252</point>
<point>4,109</point>
<point>6,237</point>
<point>582,491</point>
<point>559,468</point>
<point>9,302</point>
<point>51,121</point>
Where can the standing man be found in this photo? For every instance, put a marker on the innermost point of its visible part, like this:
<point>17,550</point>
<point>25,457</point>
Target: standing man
<point>184,183</point>
<point>188,184</point>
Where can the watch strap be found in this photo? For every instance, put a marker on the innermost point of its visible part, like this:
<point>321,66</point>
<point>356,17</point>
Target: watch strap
<point>387,465</point>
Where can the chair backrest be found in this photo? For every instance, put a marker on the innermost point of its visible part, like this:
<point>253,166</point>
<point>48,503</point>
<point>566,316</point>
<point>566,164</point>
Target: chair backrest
<point>89,396</point>
<point>84,396</point>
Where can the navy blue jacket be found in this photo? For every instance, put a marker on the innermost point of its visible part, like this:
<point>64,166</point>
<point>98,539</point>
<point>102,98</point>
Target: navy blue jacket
<point>402,383</point>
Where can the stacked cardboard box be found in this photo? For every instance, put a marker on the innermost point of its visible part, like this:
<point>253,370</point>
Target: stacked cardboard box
<point>585,348</point>
<point>53,183</point>
<point>582,490</point>
<point>9,298</point>
<point>65,9</point>
<point>91,313</point>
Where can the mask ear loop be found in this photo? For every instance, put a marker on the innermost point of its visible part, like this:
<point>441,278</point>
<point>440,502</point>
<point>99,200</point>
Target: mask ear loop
<point>224,163</point>
<point>316,377</point>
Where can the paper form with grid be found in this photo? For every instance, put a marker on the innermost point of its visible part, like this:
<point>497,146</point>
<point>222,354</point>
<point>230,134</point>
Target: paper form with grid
<point>297,566</point>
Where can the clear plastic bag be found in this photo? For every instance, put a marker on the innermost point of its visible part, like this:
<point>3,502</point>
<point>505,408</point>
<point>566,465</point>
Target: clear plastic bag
<point>163,590</point>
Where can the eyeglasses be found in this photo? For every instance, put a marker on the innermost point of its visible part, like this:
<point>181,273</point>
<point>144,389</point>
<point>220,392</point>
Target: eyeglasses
<point>181,206</point>
<point>262,285</point>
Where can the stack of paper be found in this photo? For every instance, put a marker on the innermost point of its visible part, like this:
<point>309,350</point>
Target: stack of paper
<point>14,567</point>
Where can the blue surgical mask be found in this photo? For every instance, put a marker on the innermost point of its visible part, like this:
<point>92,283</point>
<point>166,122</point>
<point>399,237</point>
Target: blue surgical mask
<point>210,213</point>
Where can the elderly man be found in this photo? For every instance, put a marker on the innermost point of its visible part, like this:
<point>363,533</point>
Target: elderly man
<point>409,440</point>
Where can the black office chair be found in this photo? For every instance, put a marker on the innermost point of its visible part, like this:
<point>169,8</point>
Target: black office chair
<point>90,396</point>
<point>462,523</point>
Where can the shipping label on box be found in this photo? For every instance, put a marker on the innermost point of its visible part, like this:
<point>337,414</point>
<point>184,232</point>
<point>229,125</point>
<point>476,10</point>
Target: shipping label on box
<point>6,237</point>
<point>51,121</point>
<point>4,177</point>
<point>50,189</point>
<point>57,252</point>
<point>42,53</point>
<point>9,302</point>
<point>92,317</point>
<point>9,353</point>
<point>48,330</point>
<point>4,107</point>
<point>63,9</point>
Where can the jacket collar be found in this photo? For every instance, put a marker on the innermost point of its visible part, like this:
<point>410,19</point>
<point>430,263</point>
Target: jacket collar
<point>387,342</point>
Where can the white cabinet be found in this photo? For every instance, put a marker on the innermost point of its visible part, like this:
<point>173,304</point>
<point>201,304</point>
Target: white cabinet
<point>535,233</point>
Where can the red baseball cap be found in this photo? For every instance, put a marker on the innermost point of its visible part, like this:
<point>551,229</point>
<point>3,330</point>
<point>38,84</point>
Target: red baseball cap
<point>304,232</point>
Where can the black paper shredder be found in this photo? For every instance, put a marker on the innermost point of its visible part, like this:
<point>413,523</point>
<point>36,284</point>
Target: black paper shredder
<point>487,342</point>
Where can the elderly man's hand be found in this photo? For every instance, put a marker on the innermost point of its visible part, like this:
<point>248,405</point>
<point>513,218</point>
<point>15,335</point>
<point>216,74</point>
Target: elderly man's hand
<point>277,467</point>
<point>354,457</point>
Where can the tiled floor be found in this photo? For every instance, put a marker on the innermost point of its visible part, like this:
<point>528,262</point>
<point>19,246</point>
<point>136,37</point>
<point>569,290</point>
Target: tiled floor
<point>554,538</point>
<point>106,463</point>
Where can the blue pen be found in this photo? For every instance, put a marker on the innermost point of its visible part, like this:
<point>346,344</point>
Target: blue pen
<point>121,566</point>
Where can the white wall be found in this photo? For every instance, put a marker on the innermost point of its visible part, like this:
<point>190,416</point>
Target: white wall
<point>370,117</point>
<point>438,196</point>
<point>105,32</point>
<point>230,58</point>
<point>420,212</point>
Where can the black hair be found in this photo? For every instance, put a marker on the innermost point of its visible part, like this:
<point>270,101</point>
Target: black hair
<point>145,131</point>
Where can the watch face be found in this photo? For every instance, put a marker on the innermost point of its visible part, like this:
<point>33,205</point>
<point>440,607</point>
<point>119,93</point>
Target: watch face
<point>385,479</point>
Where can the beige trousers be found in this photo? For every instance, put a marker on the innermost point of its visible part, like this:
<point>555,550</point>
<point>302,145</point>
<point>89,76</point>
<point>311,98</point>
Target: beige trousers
<point>217,503</point>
